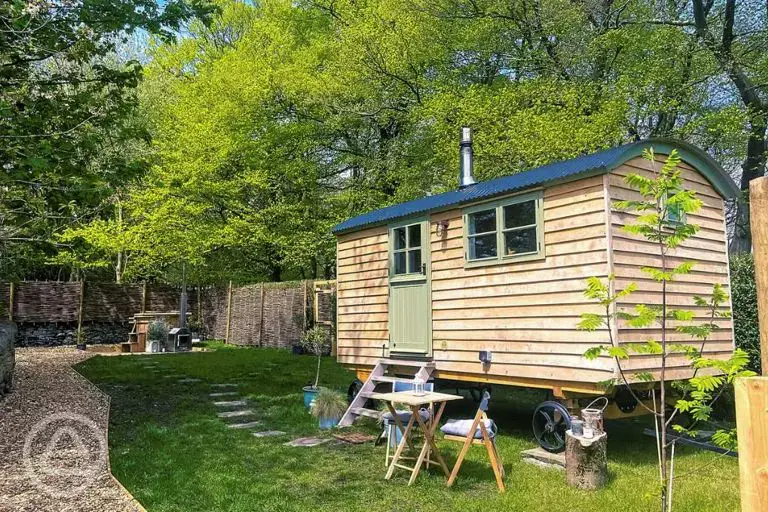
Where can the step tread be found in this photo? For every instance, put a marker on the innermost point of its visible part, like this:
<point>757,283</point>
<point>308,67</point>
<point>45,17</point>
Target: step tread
<point>387,378</point>
<point>362,411</point>
<point>408,362</point>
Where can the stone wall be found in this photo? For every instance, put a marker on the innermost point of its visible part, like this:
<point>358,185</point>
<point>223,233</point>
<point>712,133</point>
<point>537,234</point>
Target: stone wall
<point>7,359</point>
<point>50,334</point>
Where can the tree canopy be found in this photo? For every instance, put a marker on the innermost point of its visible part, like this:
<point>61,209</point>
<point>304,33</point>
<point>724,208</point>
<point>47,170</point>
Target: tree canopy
<point>263,126</point>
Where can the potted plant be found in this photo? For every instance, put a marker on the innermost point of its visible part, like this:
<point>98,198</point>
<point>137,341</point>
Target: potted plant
<point>328,407</point>
<point>157,332</point>
<point>315,341</point>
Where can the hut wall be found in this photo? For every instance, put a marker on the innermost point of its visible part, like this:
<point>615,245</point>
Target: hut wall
<point>362,296</point>
<point>708,250</point>
<point>526,312</point>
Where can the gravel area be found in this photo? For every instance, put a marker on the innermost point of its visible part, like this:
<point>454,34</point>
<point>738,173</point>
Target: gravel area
<point>53,447</point>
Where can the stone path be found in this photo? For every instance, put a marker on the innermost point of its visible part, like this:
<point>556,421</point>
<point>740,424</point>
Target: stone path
<point>53,406</point>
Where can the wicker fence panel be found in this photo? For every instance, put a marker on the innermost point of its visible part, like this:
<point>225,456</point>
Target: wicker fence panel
<point>162,298</point>
<point>283,315</point>
<point>110,302</point>
<point>5,299</point>
<point>245,321</point>
<point>46,302</point>
<point>213,306</point>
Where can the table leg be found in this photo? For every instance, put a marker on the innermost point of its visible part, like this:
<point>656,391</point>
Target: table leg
<point>429,442</point>
<point>399,423</point>
<point>405,440</point>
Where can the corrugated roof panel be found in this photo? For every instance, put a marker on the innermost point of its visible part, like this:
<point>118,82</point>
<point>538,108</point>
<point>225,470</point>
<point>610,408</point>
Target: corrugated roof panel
<point>601,161</point>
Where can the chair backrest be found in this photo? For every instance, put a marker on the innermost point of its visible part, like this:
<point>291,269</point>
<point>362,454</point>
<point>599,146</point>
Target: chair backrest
<point>408,386</point>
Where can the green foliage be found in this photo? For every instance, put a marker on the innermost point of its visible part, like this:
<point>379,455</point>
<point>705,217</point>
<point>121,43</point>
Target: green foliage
<point>329,404</point>
<point>157,331</point>
<point>744,297</point>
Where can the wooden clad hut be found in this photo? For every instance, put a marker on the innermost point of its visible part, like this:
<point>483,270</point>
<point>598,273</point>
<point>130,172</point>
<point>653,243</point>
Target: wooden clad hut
<point>485,283</point>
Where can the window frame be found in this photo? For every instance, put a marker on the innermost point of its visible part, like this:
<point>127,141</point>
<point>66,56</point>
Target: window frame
<point>499,205</point>
<point>409,276</point>
<point>673,223</point>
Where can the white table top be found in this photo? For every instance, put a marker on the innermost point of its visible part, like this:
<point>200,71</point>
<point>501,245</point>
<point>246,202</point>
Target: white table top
<point>408,398</point>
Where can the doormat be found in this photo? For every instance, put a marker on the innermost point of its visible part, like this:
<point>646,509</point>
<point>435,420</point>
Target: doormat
<point>355,437</point>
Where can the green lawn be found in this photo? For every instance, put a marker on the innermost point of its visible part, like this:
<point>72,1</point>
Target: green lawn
<point>171,451</point>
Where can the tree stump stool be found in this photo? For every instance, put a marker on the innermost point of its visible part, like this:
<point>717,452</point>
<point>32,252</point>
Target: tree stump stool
<point>586,461</point>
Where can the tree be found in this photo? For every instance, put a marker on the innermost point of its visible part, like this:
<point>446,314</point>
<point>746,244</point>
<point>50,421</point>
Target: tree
<point>662,220</point>
<point>68,130</point>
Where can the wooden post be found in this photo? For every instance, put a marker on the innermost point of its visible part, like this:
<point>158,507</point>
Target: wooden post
<point>80,313</point>
<point>11,290</point>
<point>752,393</point>
<point>144,297</point>
<point>305,305</point>
<point>752,428</point>
<point>229,312</point>
<point>261,314</point>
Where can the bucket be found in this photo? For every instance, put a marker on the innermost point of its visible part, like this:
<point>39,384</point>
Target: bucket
<point>593,416</point>
<point>577,426</point>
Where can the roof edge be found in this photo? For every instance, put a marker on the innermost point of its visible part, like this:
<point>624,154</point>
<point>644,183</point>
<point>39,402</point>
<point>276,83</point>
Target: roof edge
<point>700,159</point>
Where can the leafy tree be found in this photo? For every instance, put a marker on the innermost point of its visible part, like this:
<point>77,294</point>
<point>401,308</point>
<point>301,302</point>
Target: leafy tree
<point>68,131</point>
<point>662,220</point>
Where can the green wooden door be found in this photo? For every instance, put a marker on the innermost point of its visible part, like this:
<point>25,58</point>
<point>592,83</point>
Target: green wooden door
<point>410,309</point>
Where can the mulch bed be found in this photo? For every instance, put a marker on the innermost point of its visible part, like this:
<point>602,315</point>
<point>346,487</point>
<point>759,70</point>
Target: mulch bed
<point>53,429</point>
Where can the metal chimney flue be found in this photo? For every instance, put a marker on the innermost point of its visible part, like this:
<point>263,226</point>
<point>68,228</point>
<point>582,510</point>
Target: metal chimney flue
<point>466,158</point>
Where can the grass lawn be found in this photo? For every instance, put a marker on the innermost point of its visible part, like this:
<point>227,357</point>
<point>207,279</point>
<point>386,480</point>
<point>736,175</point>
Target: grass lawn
<point>171,451</point>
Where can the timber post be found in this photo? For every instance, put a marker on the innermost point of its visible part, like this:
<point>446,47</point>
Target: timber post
<point>144,297</point>
<point>80,313</point>
<point>11,290</point>
<point>752,393</point>
<point>261,314</point>
<point>586,461</point>
<point>229,312</point>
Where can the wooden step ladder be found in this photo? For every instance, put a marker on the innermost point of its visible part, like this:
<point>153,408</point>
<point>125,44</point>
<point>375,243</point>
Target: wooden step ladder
<point>380,377</point>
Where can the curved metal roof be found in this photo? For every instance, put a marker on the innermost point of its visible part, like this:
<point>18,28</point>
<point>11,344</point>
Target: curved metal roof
<point>595,163</point>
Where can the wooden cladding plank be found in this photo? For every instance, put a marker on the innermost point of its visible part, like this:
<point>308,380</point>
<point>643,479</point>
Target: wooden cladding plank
<point>567,299</point>
<point>544,275</point>
<point>533,358</point>
<point>447,269</point>
<point>620,191</point>
<point>543,333</point>
<point>651,249</point>
<point>563,285</point>
<point>692,179</point>
<point>568,211</point>
<point>571,311</point>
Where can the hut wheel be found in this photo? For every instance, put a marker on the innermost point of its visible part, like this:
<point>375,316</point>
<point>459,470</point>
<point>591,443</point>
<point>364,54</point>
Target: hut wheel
<point>550,421</point>
<point>353,389</point>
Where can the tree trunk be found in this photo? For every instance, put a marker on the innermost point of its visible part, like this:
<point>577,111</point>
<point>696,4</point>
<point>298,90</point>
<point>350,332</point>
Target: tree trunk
<point>753,167</point>
<point>586,461</point>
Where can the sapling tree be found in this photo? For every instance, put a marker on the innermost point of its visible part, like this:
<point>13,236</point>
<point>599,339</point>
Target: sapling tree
<point>663,220</point>
<point>316,341</point>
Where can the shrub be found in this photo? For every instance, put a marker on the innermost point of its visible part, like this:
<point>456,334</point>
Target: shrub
<point>158,331</point>
<point>744,298</point>
<point>329,404</point>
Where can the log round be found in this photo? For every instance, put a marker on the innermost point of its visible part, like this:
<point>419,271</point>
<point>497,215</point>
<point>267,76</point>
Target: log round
<point>586,461</point>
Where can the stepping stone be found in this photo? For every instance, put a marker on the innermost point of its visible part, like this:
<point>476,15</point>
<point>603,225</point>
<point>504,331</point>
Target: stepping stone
<point>189,381</point>
<point>307,441</point>
<point>244,425</point>
<point>235,414</point>
<point>233,403</point>
<point>222,393</point>
<point>269,433</point>
<point>225,385</point>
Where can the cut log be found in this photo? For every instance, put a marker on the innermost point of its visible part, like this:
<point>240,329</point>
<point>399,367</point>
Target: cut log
<point>586,461</point>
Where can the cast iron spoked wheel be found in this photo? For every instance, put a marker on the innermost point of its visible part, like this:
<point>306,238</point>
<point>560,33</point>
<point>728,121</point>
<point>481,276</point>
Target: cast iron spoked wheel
<point>550,421</point>
<point>354,389</point>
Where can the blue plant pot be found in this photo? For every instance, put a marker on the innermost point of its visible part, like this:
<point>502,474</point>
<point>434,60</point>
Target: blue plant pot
<point>309,396</point>
<point>327,423</point>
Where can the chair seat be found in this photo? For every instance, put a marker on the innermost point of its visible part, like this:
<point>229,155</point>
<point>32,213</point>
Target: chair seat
<point>405,416</point>
<point>460,428</point>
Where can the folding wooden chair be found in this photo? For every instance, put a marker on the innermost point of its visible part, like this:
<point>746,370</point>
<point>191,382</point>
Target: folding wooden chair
<point>480,432</point>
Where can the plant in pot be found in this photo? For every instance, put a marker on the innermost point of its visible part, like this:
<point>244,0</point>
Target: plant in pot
<point>328,407</point>
<point>314,341</point>
<point>157,332</point>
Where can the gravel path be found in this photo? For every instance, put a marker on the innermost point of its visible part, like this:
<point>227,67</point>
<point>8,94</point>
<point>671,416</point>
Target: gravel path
<point>53,425</point>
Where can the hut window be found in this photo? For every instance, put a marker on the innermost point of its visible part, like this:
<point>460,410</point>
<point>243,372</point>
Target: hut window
<point>481,235</point>
<point>406,249</point>
<point>674,214</point>
<point>504,229</point>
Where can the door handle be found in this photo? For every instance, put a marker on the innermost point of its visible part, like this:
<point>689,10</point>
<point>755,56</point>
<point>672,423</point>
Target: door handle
<point>424,268</point>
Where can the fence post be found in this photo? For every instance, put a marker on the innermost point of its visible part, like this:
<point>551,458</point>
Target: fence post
<point>80,313</point>
<point>144,297</point>
<point>261,314</point>
<point>11,290</point>
<point>752,393</point>
<point>229,312</point>
<point>305,305</point>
